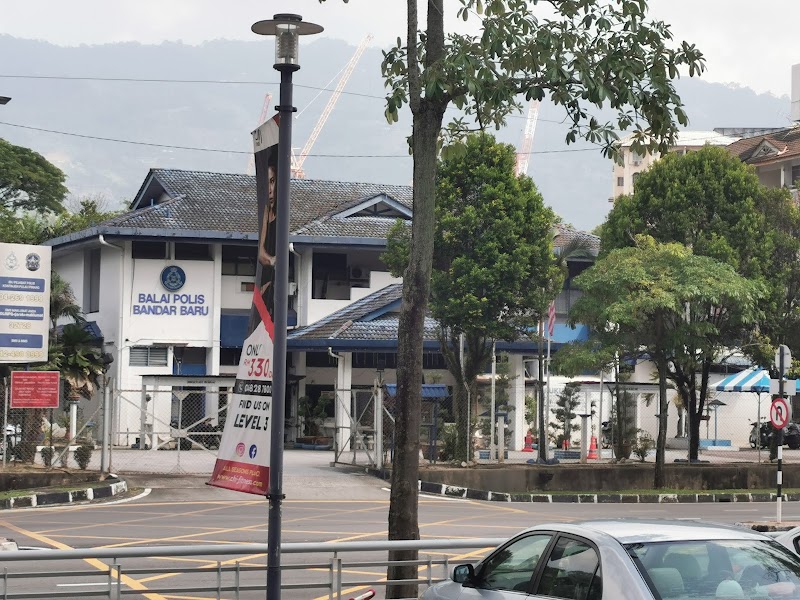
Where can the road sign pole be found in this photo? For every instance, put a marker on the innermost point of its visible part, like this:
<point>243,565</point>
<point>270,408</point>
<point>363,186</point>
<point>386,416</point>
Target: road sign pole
<point>783,354</point>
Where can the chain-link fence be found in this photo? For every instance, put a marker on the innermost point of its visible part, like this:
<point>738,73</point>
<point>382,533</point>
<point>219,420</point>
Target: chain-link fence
<point>174,429</point>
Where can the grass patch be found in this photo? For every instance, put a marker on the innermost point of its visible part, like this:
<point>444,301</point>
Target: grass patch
<point>58,488</point>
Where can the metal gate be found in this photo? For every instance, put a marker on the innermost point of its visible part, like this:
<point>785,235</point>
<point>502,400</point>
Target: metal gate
<point>360,416</point>
<point>173,424</point>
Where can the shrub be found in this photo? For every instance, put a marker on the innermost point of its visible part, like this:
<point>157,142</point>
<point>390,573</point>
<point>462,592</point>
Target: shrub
<point>83,455</point>
<point>644,444</point>
<point>47,455</point>
<point>64,458</point>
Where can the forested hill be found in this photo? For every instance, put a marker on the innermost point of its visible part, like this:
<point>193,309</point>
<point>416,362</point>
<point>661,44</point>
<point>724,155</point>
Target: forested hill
<point>356,144</point>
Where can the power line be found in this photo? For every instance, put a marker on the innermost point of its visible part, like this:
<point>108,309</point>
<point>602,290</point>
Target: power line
<point>215,82</point>
<point>221,150</point>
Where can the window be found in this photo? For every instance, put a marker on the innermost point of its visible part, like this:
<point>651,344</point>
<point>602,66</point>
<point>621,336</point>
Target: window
<point>512,567</point>
<point>156,250</point>
<point>718,569</point>
<point>572,572</point>
<point>91,281</point>
<point>620,181</point>
<point>795,175</point>
<point>239,260</point>
<point>634,178</point>
<point>230,357</point>
<point>185,251</point>
<point>148,356</point>
<point>320,359</point>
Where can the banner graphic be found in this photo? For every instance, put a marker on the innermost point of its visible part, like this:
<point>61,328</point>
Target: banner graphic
<point>243,458</point>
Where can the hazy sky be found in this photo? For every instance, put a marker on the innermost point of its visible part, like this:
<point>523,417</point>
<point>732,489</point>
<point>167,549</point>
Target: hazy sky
<point>749,43</point>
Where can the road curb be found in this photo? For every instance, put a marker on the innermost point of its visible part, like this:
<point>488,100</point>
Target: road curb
<point>115,486</point>
<point>452,491</point>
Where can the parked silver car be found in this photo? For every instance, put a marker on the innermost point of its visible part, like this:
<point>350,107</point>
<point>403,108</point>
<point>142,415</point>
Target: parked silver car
<point>629,560</point>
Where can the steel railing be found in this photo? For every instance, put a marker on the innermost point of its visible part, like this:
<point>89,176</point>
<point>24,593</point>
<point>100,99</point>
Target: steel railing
<point>215,570</point>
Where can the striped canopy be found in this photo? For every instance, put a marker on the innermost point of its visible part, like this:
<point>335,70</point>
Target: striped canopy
<point>754,379</point>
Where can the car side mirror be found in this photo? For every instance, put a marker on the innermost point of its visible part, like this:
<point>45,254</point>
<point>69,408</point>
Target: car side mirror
<point>463,573</point>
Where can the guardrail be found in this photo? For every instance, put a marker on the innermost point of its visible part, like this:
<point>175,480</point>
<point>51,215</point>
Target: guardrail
<point>211,569</point>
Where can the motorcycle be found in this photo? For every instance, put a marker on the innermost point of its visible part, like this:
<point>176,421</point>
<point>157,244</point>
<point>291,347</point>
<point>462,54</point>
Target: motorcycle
<point>791,436</point>
<point>760,435</point>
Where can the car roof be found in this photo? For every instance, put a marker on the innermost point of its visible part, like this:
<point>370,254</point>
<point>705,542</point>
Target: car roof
<point>634,531</point>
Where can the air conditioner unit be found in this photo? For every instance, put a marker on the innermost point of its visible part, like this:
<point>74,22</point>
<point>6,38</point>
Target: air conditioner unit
<point>359,275</point>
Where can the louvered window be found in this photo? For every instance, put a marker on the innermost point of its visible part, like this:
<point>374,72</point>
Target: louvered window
<point>148,356</point>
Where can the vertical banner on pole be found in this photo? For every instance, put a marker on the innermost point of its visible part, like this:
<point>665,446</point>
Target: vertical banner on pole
<point>243,460</point>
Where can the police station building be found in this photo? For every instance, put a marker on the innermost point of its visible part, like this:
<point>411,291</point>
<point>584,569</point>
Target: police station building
<point>168,286</point>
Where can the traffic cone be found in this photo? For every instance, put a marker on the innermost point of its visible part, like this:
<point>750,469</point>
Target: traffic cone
<point>592,455</point>
<point>528,442</point>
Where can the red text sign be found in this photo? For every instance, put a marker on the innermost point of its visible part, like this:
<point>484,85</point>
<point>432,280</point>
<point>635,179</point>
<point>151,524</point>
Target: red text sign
<point>34,389</point>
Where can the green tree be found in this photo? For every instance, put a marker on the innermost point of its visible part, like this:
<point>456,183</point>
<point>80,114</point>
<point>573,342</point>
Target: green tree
<point>565,414</point>
<point>586,55</point>
<point>28,227</point>
<point>712,203</point>
<point>493,269</point>
<point>28,181</point>
<point>663,301</point>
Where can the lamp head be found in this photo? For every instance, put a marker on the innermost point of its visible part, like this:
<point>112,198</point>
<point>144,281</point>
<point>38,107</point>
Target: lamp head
<point>287,29</point>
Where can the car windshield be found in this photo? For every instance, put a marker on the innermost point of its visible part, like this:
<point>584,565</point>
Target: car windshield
<point>718,570</point>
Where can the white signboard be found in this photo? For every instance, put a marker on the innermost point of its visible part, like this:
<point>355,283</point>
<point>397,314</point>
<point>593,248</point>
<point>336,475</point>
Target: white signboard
<point>172,300</point>
<point>24,303</point>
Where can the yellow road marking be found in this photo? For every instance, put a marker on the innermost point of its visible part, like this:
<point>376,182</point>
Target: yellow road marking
<point>97,564</point>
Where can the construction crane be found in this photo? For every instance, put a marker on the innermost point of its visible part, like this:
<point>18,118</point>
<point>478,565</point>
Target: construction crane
<point>251,166</point>
<point>297,161</point>
<point>523,156</point>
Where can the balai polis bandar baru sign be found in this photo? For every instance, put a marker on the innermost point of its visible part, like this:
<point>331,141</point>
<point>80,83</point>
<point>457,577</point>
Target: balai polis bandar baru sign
<point>243,458</point>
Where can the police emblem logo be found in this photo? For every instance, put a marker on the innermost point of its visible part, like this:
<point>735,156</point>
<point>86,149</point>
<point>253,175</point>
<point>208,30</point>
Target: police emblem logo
<point>11,262</point>
<point>173,278</point>
<point>32,262</point>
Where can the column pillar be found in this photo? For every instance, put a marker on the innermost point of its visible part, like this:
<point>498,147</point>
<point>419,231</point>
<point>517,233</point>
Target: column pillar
<point>517,399</point>
<point>343,395</point>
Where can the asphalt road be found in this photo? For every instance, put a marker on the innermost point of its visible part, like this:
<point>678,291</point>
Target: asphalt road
<point>323,505</point>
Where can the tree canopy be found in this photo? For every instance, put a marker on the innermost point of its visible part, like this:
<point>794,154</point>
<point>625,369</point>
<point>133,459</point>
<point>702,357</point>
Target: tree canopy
<point>707,200</point>
<point>28,181</point>
<point>668,304</point>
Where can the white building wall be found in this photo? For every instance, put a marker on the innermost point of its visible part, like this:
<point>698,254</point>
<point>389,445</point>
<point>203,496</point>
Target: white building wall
<point>70,267</point>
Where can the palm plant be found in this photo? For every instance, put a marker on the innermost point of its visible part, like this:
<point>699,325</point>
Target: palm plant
<point>80,362</point>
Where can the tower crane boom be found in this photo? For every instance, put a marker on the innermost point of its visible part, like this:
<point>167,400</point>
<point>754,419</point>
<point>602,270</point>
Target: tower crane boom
<point>297,167</point>
<point>251,165</point>
<point>523,156</point>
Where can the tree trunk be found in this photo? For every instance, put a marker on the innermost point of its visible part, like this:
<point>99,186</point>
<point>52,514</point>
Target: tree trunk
<point>694,427</point>
<point>659,478</point>
<point>681,426</point>
<point>403,500</point>
<point>541,408</point>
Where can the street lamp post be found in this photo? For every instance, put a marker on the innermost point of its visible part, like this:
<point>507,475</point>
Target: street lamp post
<point>286,28</point>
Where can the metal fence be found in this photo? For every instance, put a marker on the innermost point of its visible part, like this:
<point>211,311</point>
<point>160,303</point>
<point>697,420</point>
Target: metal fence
<point>309,570</point>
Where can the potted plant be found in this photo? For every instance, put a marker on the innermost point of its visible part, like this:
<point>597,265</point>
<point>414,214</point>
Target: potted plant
<point>313,415</point>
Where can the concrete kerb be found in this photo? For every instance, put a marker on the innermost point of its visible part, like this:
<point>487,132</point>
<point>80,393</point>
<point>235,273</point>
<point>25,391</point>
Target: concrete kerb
<point>442,489</point>
<point>115,486</point>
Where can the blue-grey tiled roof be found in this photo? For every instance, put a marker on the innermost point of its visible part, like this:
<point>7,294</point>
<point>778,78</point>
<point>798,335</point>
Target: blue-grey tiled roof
<point>227,202</point>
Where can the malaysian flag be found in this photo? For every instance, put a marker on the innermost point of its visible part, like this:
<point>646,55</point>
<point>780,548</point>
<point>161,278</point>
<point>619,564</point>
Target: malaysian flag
<point>551,319</point>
